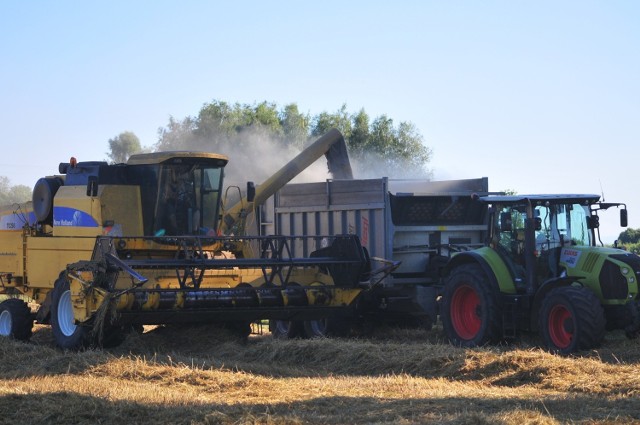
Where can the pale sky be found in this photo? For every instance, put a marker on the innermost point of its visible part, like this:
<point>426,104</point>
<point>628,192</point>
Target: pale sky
<point>541,97</point>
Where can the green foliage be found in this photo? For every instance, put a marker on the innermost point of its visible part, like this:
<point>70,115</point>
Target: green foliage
<point>629,240</point>
<point>294,125</point>
<point>220,124</point>
<point>12,194</point>
<point>341,119</point>
<point>360,134</point>
<point>123,146</point>
<point>631,247</point>
<point>629,236</point>
<point>386,149</point>
<point>398,150</point>
<point>177,135</point>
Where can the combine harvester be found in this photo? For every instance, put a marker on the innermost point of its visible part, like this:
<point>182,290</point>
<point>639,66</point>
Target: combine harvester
<point>106,248</point>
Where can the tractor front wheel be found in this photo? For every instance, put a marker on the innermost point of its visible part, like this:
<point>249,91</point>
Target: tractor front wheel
<point>470,312</point>
<point>15,319</point>
<point>571,319</point>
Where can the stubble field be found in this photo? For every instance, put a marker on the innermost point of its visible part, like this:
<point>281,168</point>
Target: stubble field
<point>204,376</point>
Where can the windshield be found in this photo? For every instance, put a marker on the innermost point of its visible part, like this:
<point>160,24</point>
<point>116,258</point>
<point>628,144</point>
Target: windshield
<point>562,224</point>
<point>180,198</point>
<point>558,225</point>
<point>187,200</point>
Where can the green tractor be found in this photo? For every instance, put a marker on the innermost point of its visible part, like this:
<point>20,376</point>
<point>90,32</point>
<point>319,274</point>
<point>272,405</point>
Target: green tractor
<point>541,271</point>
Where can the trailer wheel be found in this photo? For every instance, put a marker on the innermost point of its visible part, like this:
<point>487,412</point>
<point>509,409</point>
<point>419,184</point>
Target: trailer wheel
<point>66,333</point>
<point>286,329</point>
<point>571,319</point>
<point>323,328</point>
<point>470,311</point>
<point>15,319</point>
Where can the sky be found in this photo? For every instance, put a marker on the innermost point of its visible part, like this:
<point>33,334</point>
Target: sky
<point>540,97</point>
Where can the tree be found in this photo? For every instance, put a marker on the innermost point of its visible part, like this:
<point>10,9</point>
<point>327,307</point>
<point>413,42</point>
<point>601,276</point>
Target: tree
<point>123,146</point>
<point>325,121</point>
<point>391,151</point>
<point>360,135</point>
<point>629,236</point>
<point>13,194</point>
<point>261,132</point>
<point>266,116</point>
<point>177,135</point>
<point>295,126</point>
<point>630,240</point>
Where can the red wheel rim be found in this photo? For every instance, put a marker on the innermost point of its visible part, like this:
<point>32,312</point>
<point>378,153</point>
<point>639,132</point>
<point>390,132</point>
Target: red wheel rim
<point>465,312</point>
<point>560,320</point>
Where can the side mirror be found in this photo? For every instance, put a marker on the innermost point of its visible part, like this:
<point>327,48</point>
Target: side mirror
<point>593,222</point>
<point>63,167</point>
<point>623,218</point>
<point>251,191</point>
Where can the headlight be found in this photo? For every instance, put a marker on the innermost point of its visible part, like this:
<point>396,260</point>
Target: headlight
<point>625,270</point>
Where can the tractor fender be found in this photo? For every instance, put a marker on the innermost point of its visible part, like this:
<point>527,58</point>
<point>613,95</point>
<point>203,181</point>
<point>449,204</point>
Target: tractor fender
<point>493,266</point>
<point>542,292</point>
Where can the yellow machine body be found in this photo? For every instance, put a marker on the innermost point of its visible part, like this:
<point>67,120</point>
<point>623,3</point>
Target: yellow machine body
<point>144,240</point>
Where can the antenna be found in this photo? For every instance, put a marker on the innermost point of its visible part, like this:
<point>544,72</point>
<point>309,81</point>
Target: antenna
<point>601,190</point>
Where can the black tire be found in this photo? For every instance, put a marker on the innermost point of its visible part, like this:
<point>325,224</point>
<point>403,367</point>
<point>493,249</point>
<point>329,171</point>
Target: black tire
<point>571,319</point>
<point>66,333</point>
<point>239,328</point>
<point>286,329</point>
<point>113,336</point>
<point>16,320</point>
<point>323,328</point>
<point>470,310</point>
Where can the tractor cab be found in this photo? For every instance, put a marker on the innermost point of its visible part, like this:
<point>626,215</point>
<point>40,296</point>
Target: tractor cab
<point>537,235</point>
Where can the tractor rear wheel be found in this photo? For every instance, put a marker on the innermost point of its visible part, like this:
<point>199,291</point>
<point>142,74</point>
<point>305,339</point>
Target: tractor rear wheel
<point>571,319</point>
<point>470,311</point>
<point>66,333</point>
<point>286,329</point>
<point>15,319</point>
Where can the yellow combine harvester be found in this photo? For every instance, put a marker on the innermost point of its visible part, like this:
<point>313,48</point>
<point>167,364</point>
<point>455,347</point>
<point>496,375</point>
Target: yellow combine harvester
<point>106,248</point>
